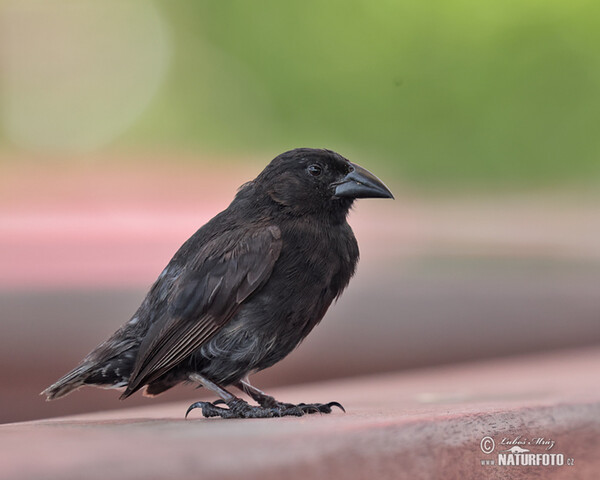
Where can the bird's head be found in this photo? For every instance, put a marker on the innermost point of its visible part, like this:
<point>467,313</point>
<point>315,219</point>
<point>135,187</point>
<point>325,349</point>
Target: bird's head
<point>308,180</point>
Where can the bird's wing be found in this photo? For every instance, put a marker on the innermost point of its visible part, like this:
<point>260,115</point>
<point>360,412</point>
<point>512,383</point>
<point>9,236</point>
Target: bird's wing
<point>226,271</point>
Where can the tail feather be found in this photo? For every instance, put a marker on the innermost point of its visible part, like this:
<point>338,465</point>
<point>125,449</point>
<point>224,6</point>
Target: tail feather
<point>107,371</point>
<point>68,383</point>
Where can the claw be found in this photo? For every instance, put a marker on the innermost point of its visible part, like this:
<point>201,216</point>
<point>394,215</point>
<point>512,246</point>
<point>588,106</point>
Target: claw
<point>320,407</point>
<point>209,410</point>
<point>336,404</point>
<point>192,406</point>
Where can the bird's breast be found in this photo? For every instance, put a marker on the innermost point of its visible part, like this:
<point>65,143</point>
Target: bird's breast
<point>320,250</point>
<point>312,269</point>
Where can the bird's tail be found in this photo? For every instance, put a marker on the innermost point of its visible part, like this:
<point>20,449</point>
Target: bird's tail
<point>68,383</point>
<point>98,369</point>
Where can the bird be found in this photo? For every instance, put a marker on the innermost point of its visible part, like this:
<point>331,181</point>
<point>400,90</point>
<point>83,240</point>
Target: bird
<point>242,292</point>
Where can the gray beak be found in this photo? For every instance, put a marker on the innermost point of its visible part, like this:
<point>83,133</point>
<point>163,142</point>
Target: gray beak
<point>360,183</point>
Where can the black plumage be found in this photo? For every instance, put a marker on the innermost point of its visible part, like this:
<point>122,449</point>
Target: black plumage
<point>243,291</point>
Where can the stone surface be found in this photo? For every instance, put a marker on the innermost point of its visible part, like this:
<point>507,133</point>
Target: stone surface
<point>426,423</point>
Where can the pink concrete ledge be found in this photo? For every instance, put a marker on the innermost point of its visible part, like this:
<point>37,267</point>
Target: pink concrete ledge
<point>525,417</point>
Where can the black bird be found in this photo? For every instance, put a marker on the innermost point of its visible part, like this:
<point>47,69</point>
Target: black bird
<point>243,291</point>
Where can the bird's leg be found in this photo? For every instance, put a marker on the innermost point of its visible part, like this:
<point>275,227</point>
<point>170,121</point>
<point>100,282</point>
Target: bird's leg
<point>267,401</point>
<point>237,408</point>
<point>258,395</point>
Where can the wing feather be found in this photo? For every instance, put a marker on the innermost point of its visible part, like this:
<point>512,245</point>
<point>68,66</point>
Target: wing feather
<point>204,299</point>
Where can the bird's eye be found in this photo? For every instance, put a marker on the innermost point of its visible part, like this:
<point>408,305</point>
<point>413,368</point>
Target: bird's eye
<point>315,170</point>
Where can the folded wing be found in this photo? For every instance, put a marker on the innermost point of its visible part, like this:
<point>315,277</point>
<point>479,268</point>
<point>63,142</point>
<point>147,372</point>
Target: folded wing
<point>225,272</point>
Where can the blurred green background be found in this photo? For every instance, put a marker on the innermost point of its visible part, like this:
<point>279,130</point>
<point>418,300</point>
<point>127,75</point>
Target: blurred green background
<point>442,93</point>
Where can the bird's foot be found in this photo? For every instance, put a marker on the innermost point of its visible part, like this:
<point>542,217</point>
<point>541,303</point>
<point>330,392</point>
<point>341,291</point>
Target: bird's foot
<point>238,408</point>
